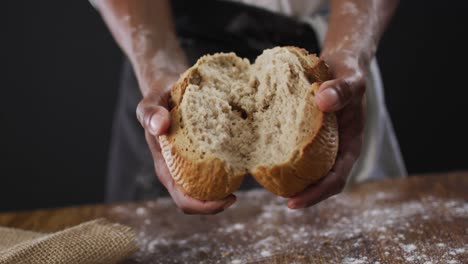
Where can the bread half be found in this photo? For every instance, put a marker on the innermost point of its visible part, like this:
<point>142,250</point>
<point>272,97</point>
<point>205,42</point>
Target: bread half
<point>230,118</point>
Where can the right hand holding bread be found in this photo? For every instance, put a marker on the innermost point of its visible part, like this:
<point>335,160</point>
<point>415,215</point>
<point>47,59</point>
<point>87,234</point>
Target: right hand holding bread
<point>343,94</point>
<point>350,44</point>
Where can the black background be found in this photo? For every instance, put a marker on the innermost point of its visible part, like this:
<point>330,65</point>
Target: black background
<point>60,73</point>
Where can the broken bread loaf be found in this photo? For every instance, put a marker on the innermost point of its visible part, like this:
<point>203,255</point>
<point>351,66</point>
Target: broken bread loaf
<point>230,118</point>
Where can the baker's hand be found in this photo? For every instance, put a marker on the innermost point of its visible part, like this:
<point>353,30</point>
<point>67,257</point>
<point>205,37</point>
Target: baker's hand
<point>344,96</point>
<point>153,114</point>
<point>146,33</point>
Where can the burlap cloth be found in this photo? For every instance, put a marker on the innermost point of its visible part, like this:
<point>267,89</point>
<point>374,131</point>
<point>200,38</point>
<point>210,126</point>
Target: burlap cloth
<point>97,241</point>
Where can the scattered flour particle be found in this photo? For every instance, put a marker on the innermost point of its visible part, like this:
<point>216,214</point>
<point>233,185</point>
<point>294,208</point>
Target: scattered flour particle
<point>140,211</point>
<point>428,262</point>
<point>450,204</point>
<point>238,226</point>
<point>355,260</point>
<point>382,229</point>
<point>147,222</point>
<point>153,244</point>
<point>408,248</point>
<point>234,227</point>
<point>182,242</point>
<point>236,261</point>
<point>460,250</point>
<point>440,244</point>
<point>381,195</point>
<point>462,211</point>
<point>453,262</point>
<point>265,253</point>
<point>386,253</point>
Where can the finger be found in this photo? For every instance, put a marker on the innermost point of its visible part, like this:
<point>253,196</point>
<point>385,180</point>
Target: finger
<point>154,118</point>
<point>332,184</point>
<point>189,205</point>
<point>335,94</point>
<point>186,203</point>
<point>351,122</point>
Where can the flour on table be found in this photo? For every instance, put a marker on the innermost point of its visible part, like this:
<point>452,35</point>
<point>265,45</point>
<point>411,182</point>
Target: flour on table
<point>272,231</point>
<point>362,260</point>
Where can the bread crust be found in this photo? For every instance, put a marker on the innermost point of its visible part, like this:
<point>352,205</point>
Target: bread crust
<point>205,180</point>
<point>209,178</point>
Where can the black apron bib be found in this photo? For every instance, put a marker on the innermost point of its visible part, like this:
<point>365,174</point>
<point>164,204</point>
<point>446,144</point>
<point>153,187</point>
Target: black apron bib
<point>222,26</point>
<point>203,27</point>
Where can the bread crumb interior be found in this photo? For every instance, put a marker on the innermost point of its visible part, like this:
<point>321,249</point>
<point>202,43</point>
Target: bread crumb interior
<point>247,115</point>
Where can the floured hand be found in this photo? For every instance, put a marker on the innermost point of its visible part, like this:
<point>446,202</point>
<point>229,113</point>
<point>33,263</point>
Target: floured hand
<point>146,34</point>
<point>354,31</point>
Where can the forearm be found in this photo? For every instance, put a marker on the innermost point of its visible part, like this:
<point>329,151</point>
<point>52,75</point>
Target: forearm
<point>145,32</point>
<point>355,28</point>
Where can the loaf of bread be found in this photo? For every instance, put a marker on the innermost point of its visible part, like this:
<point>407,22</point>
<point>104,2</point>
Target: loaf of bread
<point>230,118</point>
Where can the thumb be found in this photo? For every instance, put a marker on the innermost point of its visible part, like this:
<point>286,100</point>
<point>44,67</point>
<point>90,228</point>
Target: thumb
<point>154,118</point>
<point>335,94</point>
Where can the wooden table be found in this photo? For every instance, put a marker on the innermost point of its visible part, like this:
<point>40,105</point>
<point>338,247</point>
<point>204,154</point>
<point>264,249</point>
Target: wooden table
<point>421,219</point>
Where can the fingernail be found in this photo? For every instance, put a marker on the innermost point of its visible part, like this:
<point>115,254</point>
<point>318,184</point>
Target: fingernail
<point>328,97</point>
<point>292,205</point>
<point>228,203</point>
<point>154,125</point>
